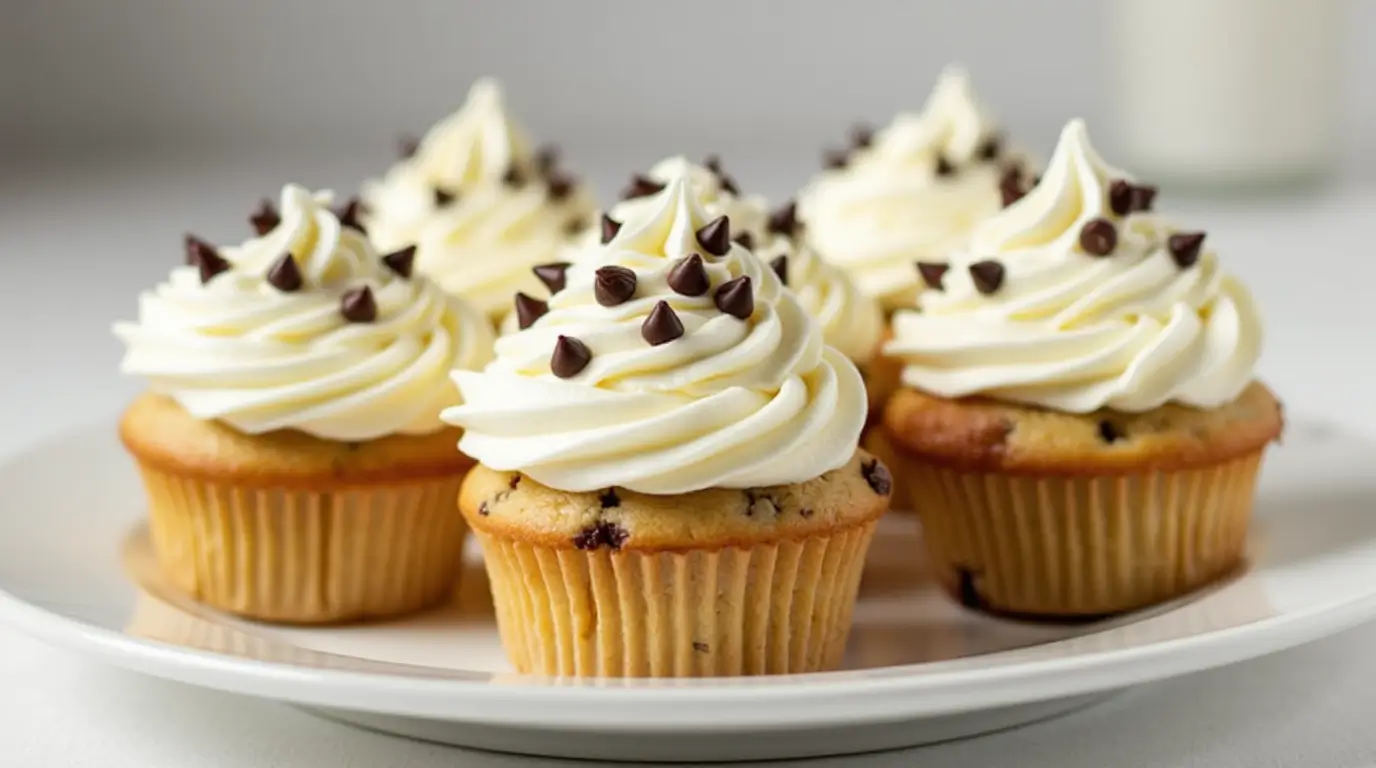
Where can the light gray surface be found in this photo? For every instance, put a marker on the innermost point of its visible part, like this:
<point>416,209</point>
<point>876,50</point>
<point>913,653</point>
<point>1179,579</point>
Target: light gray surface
<point>79,243</point>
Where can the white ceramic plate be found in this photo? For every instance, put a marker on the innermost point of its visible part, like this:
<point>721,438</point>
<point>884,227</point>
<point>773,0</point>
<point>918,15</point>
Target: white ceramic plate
<point>75,569</point>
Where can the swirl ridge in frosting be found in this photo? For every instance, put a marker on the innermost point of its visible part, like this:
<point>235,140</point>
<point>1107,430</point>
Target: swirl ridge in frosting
<point>1098,303</point>
<point>729,403</point>
<point>241,349</point>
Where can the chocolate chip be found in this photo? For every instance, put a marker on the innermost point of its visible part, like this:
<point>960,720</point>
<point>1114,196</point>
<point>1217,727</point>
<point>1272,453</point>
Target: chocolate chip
<point>641,186</point>
<point>861,136</point>
<point>784,220</point>
<point>1098,237</point>
<point>1010,186</point>
<point>745,240</point>
<point>780,267</point>
<point>735,298</point>
<point>601,534</point>
<point>546,158</point>
<point>351,214</point>
<point>713,163</point>
<point>528,310</point>
<point>514,481</point>
<point>1185,248</point>
<point>514,177</point>
<point>877,475</point>
<point>715,236</point>
<point>689,277</point>
<point>613,285</point>
<point>193,247</point>
<point>701,647</point>
<point>609,499</point>
<point>990,148</point>
<point>944,166</point>
<point>966,590</point>
<point>444,197</point>
<point>407,147</point>
<point>284,275</point>
<point>932,272</point>
<point>358,305</point>
<point>1143,196</point>
<point>559,186</point>
<point>570,357</point>
<point>265,218</point>
<point>728,184</point>
<point>203,256</point>
<point>1109,432</point>
<point>554,275</point>
<point>661,326</point>
<point>402,262</point>
<point>835,159</point>
<point>1120,197</point>
<point>483,510</point>
<point>610,227</point>
<point>987,276</point>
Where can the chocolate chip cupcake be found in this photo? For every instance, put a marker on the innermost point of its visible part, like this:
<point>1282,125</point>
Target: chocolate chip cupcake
<point>290,442</point>
<point>669,482</point>
<point>480,205</point>
<point>912,191</point>
<point>1080,425</point>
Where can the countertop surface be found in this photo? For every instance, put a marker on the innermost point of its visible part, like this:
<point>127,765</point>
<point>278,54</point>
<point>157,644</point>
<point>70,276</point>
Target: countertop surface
<point>77,245</point>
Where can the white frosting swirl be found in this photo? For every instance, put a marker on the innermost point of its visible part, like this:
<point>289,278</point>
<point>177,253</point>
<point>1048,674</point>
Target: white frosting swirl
<point>238,350</point>
<point>1075,332</point>
<point>481,244</point>
<point>730,404</point>
<point>889,206</point>
<point>851,320</point>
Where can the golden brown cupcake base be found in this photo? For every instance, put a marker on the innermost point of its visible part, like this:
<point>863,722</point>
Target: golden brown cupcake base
<point>290,528</point>
<point>713,583</point>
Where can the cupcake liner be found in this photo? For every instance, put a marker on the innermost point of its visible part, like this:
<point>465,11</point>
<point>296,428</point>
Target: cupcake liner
<point>1082,546</point>
<point>776,608</point>
<point>307,556</point>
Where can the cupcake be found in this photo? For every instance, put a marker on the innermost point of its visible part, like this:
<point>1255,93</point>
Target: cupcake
<point>478,203</point>
<point>669,483</point>
<point>911,192</point>
<point>290,441</point>
<point>1080,424</point>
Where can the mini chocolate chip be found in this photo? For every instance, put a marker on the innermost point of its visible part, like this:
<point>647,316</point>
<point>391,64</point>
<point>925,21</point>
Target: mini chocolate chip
<point>1098,237</point>
<point>514,177</point>
<point>265,218</point>
<point>784,220</point>
<point>554,275</point>
<point>1120,197</point>
<point>689,277</point>
<point>728,184</point>
<point>701,647</point>
<point>641,186</point>
<point>193,248</point>
<point>559,186</point>
<point>661,326</point>
<point>715,236</point>
<point>1109,432</point>
<point>1010,186</point>
<point>610,227</point>
<point>713,163</point>
<point>966,590</point>
<point>514,481</point>
<point>1185,248</point>
<point>358,305</point>
<point>861,136</point>
<point>284,275</point>
<point>570,357</point>
<point>546,158</point>
<point>528,310</point>
<point>402,261</point>
<point>944,166</point>
<point>1143,196</point>
<point>351,214</point>
<point>990,148</point>
<point>613,285</point>
<point>609,499</point>
<point>805,512</point>
<point>736,298</point>
<point>877,475</point>
<point>483,510</point>
<point>407,146</point>
<point>444,197</point>
<point>987,276</point>
<point>780,267</point>
<point>204,257</point>
<point>745,240</point>
<point>835,159</point>
<point>932,272</point>
<point>601,534</point>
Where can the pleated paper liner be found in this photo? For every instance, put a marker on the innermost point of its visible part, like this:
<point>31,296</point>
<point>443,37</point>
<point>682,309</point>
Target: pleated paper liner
<point>1082,546</point>
<point>769,608</point>
<point>307,556</point>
